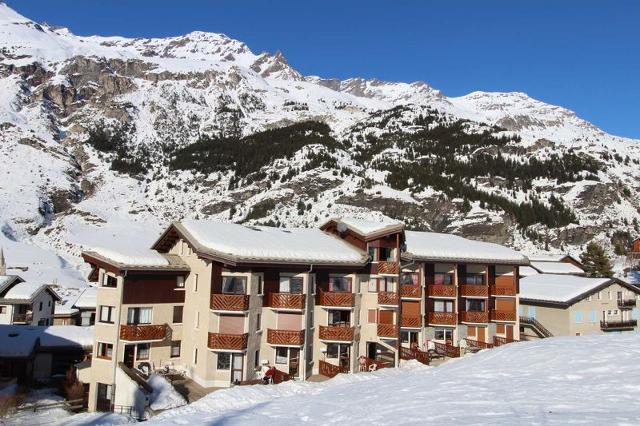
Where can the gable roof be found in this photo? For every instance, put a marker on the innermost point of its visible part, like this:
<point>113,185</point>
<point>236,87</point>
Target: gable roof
<point>563,289</point>
<point>25,292</point>
<point>135,259</point>
<point>432,246</point>
<point>556,268</point>
<point>6,281</point>
<point>367,229</point>
<point>233,243</point>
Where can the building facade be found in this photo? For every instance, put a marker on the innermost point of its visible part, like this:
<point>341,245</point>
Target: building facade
<point>220,300</point>
<point>24,303</point>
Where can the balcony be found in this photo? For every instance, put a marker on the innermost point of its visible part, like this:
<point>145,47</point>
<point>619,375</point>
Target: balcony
<point>336,332</point>
<point>502,315</point>
<point>286,301</point>
<point>388,330</point>
<point>499,290</point>
<point>22,318</point>
<point>229,302</point>
<point>388,298</point>
<point>626,303</point>
<point>441,318</point>
<point>387,268</point>
<point>618,325</point>
<point>408,291</point>
<point>140,333</point>
<point>411,321</point>
<point>474,317</point>
<point>337,299</point>
<point>442,290</point>
<point>474,290</point>
<point>285,337</point>
<point>232,342</point>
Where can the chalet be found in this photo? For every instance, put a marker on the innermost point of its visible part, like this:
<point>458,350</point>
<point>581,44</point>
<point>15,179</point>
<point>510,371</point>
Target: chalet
<point>562,264</point>
<point>565,305</point>
<point>217,300</point>
<point>26,303</point>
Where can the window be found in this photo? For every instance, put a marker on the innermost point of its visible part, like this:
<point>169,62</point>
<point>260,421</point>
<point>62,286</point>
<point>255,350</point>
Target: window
<point>260,286</point>
<point>139,315</point>
<point>335,350</point>
<point>442,278</point>
<point>592,316</point>
<point>387,254</point>
<point>339,317</point>
<point>578,317</point>
<point>373,285</point>
<point>224,361</point>
<point>40,306</point>
<point>105,350</point>
<point>107,314</point>
<point>195,355</point>
<point>410,279</point>
<point>258,322</point>
<point>175,348</point>
<point>443,305</point>
<point>340,284</point>
<point>312,283</point>
<point>195,283</point>
<point>475,305</point>
<point>372,254</point>
<point>197,319</point>
<point>599,295</point>
<point>387,284</point>
<point>474,279</point>
<point>443,334</point>
<point>234,285</point>
<point>291,285</point>
<point>256,359</point>
<point>177,314</point>
<point>142,351</point>
<point>109,281</point>
<point>282,355</point>
<point>3,309</point>
<point>180,282</point>
<point>49,304</point>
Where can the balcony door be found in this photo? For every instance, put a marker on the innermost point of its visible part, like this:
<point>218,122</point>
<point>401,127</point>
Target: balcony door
<point>129,355</point>
<point>294,362</point>
<point>236,368</point>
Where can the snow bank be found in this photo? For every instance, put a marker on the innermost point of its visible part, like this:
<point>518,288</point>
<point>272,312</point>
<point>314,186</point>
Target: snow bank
<point>587,379</point>
<point>164,395</point>
<point>557,288</point>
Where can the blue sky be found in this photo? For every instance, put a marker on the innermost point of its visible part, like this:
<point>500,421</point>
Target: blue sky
<point>581,54</point>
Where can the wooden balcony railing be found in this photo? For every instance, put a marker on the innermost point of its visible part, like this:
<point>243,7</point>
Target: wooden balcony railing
<point>499,341</point>
<point>411,291</point>
<point>442,290</point>
<point>473,290</point>
<point>229,302</point>
<point>286,300</point>
<point>411,321</point>
<point>502,290</point>
<point>626,303</point>
<point>388,330</point>
<point>387,298</point>
<point>475,344</point>
<point>503,315</point>
<point>388,268</point>
<point>417,354</point>
<point>285,337</point>
<point>336,332</point>
<point>475,317</point>
<point>330,370</point>
<point>617,325</point>
<point>370,364</point>
<point>447,349</point>
<point>442,318</point>
<point>137,333</point>
<point>233,342</point>
<point>339,299</point>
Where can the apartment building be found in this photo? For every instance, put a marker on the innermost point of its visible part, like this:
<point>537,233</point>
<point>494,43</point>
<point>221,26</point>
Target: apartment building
<point>564,305</point>
<point>219,299</point>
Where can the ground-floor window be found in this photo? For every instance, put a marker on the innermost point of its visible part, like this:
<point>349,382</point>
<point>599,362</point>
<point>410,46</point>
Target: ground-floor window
<point>409,337</point>
<point>443,334</point>
<point>175,348</point>
<point>142,351</point>
<point>339,351</point>
<point>105,350</point>
<point>282,355</point>
<point>224,361</point>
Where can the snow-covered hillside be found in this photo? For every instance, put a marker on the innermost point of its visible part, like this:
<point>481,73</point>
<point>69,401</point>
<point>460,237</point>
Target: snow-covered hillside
<point>61,192</point>
<point>580,380</point>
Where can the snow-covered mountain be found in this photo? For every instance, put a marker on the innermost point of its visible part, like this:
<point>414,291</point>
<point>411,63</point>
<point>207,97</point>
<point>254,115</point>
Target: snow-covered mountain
<point>99,146</point>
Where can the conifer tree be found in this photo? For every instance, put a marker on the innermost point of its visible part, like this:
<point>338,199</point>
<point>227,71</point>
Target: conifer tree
<point>596,262</point>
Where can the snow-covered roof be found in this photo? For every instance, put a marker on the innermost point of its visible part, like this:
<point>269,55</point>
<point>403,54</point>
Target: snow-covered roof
<point>88,299</point>
<point>447,247</point>
<point>26,291</point>
<point>7,280</point>
<point>267,244</point>
<point>366,227</point>
<point>557,288</point>
<point>525,271</point>
<point>20,340</point>
<point>546,257</point>
<point>130,258</point>
<point>556,268</point>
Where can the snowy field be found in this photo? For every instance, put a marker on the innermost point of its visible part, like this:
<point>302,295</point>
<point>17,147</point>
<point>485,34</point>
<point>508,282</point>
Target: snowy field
<point>578,380</point>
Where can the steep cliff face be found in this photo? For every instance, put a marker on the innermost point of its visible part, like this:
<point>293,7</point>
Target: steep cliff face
<point>108,136</point>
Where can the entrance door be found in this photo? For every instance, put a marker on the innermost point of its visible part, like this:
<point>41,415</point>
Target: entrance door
<point>482,335</point>
<point>236,368</point>
<point>294,362</point>
<point>510,332</point>
<point>103,402</point>
<point>344,353</point>
<point>372,350</point>
<point>129,355</point>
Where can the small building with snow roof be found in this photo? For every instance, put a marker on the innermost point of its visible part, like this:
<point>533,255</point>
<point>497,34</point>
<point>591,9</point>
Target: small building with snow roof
<point>26,303</point>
